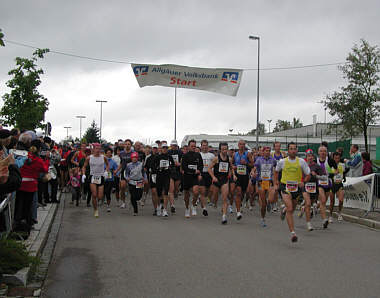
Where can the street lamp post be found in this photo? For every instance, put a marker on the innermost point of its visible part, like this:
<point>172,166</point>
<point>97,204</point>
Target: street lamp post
<point>67,131</point>
<point>269,121</point>
<point>80,126</point>
<point>258,87</point>
<point>101,115</point>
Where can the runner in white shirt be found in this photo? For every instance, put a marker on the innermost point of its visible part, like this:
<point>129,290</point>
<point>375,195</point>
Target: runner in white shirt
<point>205,185</point>
<point>96,162</point>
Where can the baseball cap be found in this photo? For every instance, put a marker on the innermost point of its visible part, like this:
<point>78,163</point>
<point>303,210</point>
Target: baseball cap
<point>154,145</point>
<point>309,151</point>
<point>39,134</point>
<point>134,155</point>
<point>4,133</point>
<point>174,142</point>
<point>164,144</point>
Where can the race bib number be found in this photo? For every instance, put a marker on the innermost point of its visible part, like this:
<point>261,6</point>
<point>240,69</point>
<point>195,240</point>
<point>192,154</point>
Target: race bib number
<point>107,175</point>
<point>223,167</point>
<point>241,169</point>
<point>324,181</point>
<point>192,167</point>
<point>164,164</point>
<point>311,187</point>
<point>292,186</point>
<point>265,185</point>
<point>338,178</point>
<point>96,179</point>
<point>154,177</point>
<point>175,158</point>
<point>266,172</point>
<point>139,184</point>
<point>205,165</point>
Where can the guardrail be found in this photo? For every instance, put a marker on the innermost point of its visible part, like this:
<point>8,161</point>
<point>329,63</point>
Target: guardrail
<point>6,216</point>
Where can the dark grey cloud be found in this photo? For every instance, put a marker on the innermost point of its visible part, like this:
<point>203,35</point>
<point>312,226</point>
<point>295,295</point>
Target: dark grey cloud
<point>195,33</point>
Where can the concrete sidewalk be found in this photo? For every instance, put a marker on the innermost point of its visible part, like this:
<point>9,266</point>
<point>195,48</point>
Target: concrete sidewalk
<point>358,216</point>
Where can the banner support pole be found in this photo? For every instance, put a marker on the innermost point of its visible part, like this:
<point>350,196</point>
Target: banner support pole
<point>175,113</point>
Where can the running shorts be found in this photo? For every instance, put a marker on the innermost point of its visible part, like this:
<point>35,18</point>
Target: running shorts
<point>101,181</point>
<point>242,181</point>
<point>189,180</point>
<point>295,195</point>
<point>336,187</point>
<point>163,183</point>
<point>264,185</point>
<point>221,181</point>
<point>206,180</point>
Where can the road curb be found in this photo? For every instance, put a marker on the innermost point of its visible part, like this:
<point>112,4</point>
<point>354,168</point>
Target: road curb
<point>21,277</point>
<point>359,220</point>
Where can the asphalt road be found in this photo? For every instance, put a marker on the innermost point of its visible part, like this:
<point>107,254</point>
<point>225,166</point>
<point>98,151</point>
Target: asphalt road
<point>118,255</point>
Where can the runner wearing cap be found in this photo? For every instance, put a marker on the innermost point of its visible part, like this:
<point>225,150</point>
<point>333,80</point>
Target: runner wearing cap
<point>310,191</point>
<point>164,165</point>
<point>338,176</point>
<point>292,169</point>
<point>97,162</point>
<point>206,181</point>
<point>242,162</point>
<point>136,177</point>
<point>175,176</point>
<point>152,175</point>
<point>263,171</point>
<point>191,167</point>
<point>125,157</point>
<point>220,170</point>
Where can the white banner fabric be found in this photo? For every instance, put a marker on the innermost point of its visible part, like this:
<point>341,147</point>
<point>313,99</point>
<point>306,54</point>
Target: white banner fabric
<point>219,80</point>
<point>358,192</point>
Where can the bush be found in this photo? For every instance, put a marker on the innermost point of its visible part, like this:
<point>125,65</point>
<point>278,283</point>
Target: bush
<point>13,256</point>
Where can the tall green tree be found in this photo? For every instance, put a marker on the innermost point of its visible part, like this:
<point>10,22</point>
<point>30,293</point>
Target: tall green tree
<point>92,134</point>
<point>2,44</point>
<point>355,105</point>
<point>24,107</point>
<point>282,125</point>
<point>261,130</point>
<point>297,123</point>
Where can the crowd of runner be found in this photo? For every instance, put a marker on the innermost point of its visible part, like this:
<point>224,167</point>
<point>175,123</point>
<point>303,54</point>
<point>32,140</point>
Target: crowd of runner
<point>279,180</point>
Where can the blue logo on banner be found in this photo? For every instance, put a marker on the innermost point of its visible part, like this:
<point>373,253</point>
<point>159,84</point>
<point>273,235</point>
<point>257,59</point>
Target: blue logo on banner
<point>230,76</point>
<point>141,70</point>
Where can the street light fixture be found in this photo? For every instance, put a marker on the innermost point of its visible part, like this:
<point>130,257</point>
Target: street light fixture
<point>258,87</point>
<point>101,116</point>
<point>80,126</point>
<point>67,131</point>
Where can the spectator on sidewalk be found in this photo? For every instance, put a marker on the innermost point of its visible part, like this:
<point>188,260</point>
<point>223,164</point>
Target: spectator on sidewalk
<point>356,163</point>
<point>367,164</point>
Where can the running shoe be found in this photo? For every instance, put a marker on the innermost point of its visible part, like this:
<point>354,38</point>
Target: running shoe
<point>134,214</point>
<point>340,217</point>
<point>325,223</point>
<point>293,237</point>
<point>204,212</point>
<point>193,211</point>
<point>239,216</point>
<point>309,226</point>
<point>187,213</point>
<point>108,209</point>
<point>262,223</point>
<point>330,219</point>
<point>172,209</point>
<point>165,213</point>
<point>122,206</point>
<point>230,210</point>
<point>96,213</point>
<point>283,213</point>
<point>224,219</point>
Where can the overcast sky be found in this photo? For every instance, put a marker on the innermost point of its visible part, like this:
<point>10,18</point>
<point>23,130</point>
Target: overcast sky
<point>193,33</point>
